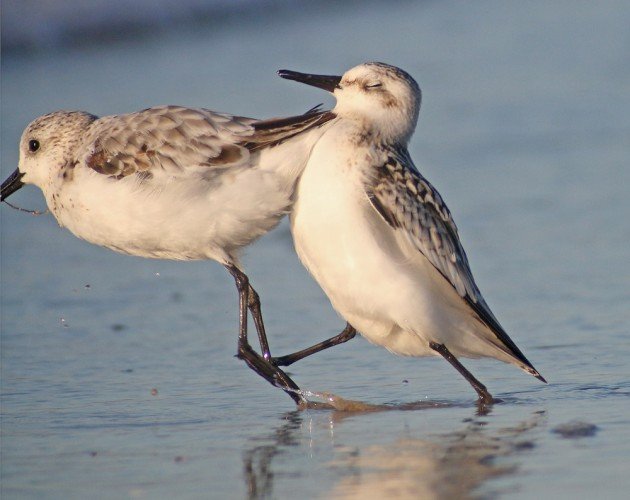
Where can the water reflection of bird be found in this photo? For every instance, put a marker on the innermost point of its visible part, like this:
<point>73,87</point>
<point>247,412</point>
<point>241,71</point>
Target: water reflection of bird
<point>451,464</point>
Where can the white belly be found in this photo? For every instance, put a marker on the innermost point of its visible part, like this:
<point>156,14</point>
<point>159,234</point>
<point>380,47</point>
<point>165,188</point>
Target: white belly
<point>334,230</point>
<point>183,219</point>
<point>386,289</point>
<point>186,216</point>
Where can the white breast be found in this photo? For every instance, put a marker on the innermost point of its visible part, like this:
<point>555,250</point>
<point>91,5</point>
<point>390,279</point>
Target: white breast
<point>374,278</point>
<point>182,219</point>
<point>336,234</point>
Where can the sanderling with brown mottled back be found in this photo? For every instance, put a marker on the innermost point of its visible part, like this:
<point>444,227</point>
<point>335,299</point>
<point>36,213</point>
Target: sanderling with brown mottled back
<point>172,183</point>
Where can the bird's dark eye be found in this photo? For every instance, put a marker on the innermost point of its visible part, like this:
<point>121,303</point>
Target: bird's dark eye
<point>33,145</point>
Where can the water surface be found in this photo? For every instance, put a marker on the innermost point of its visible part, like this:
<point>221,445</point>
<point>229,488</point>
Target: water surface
<point>118,374</point>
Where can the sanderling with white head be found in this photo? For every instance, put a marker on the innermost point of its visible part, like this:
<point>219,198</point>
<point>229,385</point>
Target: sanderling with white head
<point>377,236</point>
<point>174,183</point>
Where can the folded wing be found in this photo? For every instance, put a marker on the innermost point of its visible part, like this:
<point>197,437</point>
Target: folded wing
<point>410,204</point>
<point>173,140</point>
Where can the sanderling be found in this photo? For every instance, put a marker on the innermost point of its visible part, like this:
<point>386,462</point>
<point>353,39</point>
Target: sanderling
<point>377,236</point>
<point>174,183</point>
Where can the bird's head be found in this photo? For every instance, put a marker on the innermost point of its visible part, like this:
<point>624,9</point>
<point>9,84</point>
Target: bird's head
<point>385,97</point>
<point>47,145</point>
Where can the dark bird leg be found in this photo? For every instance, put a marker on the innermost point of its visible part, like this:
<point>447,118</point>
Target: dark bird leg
<point>262,367</point>
<point>253,303</point>
<point>348,333</point>
<point>485,397</point>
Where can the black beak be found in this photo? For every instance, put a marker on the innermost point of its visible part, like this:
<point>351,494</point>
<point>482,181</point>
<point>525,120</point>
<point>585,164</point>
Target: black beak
<point>11,185</point>
<point>326,82</point>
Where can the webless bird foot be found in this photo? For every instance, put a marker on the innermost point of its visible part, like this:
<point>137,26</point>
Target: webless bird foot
<point>272,374</point>
<point>486,399</point>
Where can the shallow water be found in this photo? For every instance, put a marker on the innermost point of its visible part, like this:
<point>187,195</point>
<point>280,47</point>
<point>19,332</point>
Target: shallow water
<point>118,374</point>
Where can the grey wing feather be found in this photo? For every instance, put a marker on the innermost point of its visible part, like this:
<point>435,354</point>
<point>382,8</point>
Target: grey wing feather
<point>167,140</point>
<point>408,202</point>
<point>269,133</point>
<point>173,141</point>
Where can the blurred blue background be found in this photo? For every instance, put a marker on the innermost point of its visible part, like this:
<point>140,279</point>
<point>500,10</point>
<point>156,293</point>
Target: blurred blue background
<point>524,129</point>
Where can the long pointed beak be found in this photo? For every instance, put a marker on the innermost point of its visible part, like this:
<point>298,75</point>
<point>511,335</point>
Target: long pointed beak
<point>326,82</point>
<point>11,185</point>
